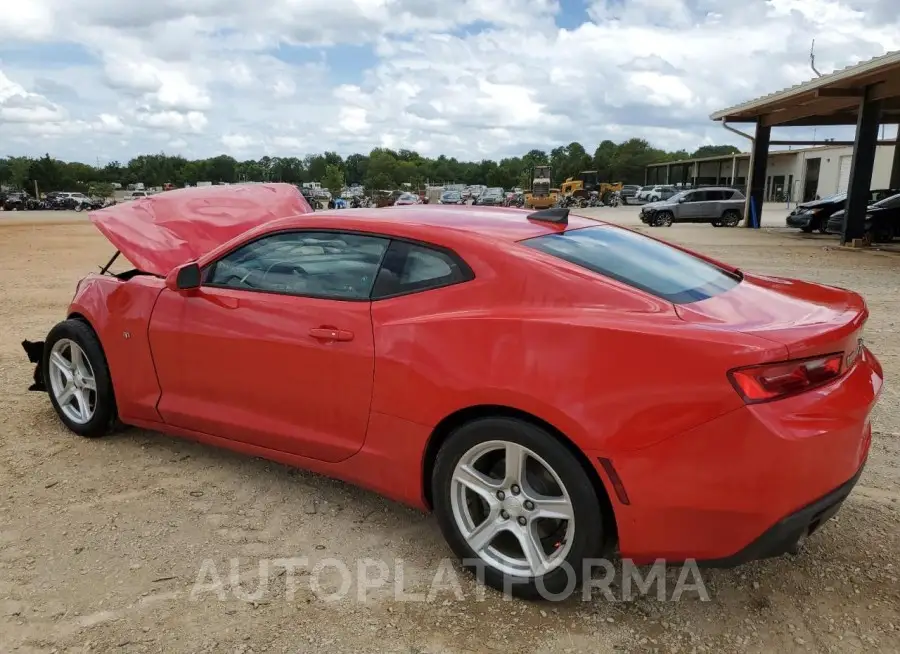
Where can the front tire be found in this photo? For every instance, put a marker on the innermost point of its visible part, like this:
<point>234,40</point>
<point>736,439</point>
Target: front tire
<point>517,507</point>
<point>664,219</point>
<point>78,380</point>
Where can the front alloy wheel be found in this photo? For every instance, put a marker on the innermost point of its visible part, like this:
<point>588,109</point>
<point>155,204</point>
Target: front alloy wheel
<point>72,381</point>
<point>518,508</point>
<point>78,379</point>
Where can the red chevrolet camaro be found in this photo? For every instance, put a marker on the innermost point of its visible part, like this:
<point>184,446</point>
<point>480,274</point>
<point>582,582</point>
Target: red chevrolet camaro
<point>550,386</point>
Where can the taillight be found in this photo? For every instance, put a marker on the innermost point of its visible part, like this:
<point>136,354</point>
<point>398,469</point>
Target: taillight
<point>773,381</point>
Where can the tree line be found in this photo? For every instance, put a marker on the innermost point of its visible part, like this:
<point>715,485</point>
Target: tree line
<point>382,168</point>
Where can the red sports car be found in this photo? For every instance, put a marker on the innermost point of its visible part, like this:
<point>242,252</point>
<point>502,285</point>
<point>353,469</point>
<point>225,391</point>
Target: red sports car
<point>549,385</point>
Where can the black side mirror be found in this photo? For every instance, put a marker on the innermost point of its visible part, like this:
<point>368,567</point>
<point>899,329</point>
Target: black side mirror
<point>187,277</point>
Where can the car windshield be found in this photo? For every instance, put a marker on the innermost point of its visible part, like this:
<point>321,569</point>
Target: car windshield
<point>494,192</point>
<point>639,261</point>
<point>407,196</point>
<point>888,203</point>
<point>677,196</point>
<point>450,196</point>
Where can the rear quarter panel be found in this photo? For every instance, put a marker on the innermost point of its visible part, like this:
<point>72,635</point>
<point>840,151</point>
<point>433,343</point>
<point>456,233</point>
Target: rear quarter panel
<point>119,312</point>
<point>612,368</point>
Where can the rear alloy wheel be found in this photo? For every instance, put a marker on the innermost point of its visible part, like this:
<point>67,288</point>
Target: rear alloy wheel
<point>78,380</point>
<point>664,219</point>
<point>731,218</point>
<point>517,507</point>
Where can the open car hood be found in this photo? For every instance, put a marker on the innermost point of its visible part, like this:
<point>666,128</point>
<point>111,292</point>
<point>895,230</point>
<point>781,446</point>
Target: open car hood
<point>160,232</point>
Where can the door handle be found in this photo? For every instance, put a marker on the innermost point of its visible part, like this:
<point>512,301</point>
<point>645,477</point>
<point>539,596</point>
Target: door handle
<point>331,334</point>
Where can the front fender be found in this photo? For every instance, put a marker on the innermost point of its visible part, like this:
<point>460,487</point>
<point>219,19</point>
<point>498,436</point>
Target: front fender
<point>119,313</point>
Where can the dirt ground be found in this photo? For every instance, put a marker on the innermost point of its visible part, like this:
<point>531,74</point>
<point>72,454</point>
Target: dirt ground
<point>102,541</point>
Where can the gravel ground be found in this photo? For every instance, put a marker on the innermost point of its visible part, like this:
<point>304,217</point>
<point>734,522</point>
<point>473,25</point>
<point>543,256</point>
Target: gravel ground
<point>102,541</point>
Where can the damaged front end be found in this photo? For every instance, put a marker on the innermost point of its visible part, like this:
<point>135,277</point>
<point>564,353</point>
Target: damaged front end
<point>35,352</point>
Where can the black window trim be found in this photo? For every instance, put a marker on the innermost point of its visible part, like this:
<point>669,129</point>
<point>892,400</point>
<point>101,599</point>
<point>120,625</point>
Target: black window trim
<point>467,273</point>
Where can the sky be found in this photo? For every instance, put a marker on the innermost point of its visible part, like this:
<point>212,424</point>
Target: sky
<point>102,80</point>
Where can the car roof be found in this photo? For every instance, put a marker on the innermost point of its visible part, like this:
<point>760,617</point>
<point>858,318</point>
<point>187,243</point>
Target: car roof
<point>494,223</point>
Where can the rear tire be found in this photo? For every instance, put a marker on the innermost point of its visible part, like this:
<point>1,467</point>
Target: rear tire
<point>77,379</point>
<point>491,518</point>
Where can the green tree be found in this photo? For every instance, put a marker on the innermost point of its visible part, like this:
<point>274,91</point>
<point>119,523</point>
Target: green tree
<point>714,151</point>
<point>47,173</point>
<point>333,180</point>
<point>382,168</point>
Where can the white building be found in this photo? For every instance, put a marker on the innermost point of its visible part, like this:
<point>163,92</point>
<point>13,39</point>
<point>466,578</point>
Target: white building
<point>796,175</point>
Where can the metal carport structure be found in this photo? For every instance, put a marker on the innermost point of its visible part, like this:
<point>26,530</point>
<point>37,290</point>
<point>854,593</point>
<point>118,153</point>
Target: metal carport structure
<point>866,95</point>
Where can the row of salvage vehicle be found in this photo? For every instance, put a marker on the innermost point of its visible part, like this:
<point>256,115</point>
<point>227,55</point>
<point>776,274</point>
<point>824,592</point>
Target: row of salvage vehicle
<point>826,215</point>
<point>54,201</point>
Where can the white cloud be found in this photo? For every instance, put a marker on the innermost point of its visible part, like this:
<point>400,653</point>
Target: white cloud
<point>471,79</point>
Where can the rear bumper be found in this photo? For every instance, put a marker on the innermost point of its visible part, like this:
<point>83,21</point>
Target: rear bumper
<point>752,482</point>
<point>788,534</point>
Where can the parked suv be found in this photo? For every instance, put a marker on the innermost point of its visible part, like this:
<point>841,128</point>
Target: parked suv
<point>720,207</point>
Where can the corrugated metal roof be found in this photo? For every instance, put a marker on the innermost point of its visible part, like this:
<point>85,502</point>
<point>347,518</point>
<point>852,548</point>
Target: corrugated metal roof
<point>872,65</point>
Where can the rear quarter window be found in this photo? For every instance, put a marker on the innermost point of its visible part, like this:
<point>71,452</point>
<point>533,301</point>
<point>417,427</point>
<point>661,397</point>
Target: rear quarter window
<point>638,261</point>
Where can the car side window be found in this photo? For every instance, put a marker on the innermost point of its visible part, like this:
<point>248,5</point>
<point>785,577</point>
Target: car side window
<point>331,265</point>
<point>409,268</point>
<point>692,197</point>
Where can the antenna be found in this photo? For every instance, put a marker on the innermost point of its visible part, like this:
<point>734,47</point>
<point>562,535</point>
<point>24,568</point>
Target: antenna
<point>812,58</point>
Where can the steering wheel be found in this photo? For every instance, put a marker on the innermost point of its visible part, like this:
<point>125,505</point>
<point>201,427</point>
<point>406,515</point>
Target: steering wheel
<point>295,269</point>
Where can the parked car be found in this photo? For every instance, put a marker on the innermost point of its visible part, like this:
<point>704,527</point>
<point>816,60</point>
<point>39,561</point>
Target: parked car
<point>364,345</point>
<point>491,197</point>
<point>451,197</point>
<point>655,193</point>
<point>813,216</point>
<point>628,192</point>
<point>720,207</point>
<point>15,201</point>
<point>406,199</point>
<point>882,221</point>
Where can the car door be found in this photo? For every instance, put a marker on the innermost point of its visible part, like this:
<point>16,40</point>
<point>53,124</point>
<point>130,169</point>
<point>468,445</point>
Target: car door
<point>696,206</point>
<point>686,209</point>
<point>275,347</point>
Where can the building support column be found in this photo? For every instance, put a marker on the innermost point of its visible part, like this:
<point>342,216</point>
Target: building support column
<point>734,170</point>
<point>895,167</point>
<point>867,126</point>
<point>719,172</point>
<point>756,181</point>
<point>668,172</point>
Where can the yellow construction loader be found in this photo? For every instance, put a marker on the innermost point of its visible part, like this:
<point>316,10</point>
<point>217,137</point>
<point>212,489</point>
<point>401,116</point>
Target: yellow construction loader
<point>586,182</point>
<point>541,196</point>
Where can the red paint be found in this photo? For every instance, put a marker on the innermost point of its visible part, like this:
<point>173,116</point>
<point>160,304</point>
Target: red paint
<point>354,389</point>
